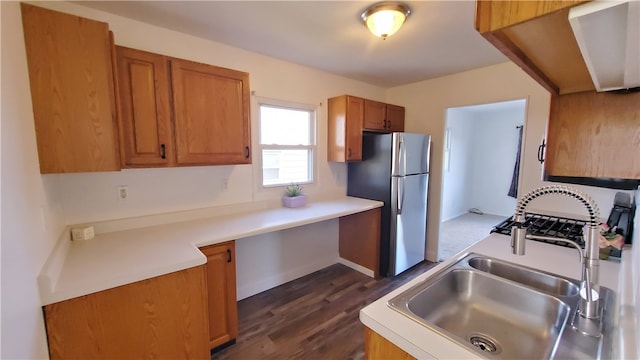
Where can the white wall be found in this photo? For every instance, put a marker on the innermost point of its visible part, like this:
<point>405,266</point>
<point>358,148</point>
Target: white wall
<point>494,155</point>
<point>483,151</point>
<point>31,223</point>
<point>296,252</point>
<point>456,191</point>
<point>427,102</point>
<point>36,208</point>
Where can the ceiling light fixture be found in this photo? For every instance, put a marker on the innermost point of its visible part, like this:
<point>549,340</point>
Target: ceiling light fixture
<point>385,18</point>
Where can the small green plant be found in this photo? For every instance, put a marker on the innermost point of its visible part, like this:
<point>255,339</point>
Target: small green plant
<point>294,190</point>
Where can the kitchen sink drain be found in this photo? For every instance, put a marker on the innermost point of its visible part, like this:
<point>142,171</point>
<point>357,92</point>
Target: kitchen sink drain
<point>485,343</point>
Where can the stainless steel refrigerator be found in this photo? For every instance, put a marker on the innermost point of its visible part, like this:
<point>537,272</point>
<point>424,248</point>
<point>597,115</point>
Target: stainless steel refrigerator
<point>395,170</point>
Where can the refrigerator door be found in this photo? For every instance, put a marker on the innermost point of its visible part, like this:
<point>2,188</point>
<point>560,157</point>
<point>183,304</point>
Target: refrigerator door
<point>410,154</point>
<point>408,222</point>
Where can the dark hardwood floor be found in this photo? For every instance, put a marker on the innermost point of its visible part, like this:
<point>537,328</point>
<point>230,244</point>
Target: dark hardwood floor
<point>314,317</point>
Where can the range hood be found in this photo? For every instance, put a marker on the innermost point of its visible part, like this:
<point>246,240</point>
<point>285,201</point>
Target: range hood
<point>608,34</point>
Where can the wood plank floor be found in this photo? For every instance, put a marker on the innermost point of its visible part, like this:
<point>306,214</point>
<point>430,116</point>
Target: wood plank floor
<point>314,317</point>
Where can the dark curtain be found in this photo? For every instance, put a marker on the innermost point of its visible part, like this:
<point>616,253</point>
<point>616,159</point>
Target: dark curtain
<point>513,190</point>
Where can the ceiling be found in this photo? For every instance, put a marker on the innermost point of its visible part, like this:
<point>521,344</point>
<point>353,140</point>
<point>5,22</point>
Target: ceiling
<point>437,39</point>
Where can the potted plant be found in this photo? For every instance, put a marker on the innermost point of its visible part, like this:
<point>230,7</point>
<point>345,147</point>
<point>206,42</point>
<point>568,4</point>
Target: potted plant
<point>294,197</point>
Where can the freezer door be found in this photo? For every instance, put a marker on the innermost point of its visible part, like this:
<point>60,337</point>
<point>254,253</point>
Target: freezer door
<point>410,154</point>
<point>408,222</point>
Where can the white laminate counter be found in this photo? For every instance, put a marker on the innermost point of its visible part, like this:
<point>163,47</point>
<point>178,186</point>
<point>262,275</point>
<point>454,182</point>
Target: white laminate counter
<point>423,343</point>
<point>122,257</point>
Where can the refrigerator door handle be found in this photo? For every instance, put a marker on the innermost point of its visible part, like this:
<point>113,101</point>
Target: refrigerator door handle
<point>400,195</point>
<point>402,156</point>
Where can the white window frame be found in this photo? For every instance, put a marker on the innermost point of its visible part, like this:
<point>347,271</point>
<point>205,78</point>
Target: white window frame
<point>313,111</point>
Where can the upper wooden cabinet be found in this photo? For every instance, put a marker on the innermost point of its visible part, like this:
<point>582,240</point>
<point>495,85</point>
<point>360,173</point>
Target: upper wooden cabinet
<point>382,117</point>
<point>346,119</point>
<point>395,118</point>
<point>590,134</point>
<point>537,36</point>
<point>375,115</point>
<point>594,135</point>
<point>71,77</point>
<point>210,112</point>
<point>349,116</point>
<point>145,113</point>
<point>211,106</point>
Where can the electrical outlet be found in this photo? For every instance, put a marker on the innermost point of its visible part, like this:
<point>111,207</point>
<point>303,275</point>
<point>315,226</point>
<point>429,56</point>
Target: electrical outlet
<point>123,192</point>
<point>225,185</point>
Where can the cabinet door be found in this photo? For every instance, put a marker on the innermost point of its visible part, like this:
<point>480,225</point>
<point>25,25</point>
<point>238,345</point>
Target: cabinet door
<point>211,106</point>
<point>377,347</point>
<point>72,91</point>
<point>594,135</point>
<point>375,115</point>
<point>355,117</point>
<point>145,118</point>
<point>221,287</point>
<point>161,317</point>
<point>345,118</point>
<point>395,118</point>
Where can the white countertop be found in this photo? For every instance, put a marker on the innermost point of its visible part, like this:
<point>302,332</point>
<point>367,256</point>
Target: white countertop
<point>423,343</point>
<point>122,257</point>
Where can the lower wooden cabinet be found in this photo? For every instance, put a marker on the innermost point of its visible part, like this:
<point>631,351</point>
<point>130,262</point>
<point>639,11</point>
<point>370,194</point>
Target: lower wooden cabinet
<point>221,289</point>
<point>359,239</point>
<point>162,317</point>
<point>377,347</point>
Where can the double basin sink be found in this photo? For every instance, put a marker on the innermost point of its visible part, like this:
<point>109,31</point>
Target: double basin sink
<point>502,310</point>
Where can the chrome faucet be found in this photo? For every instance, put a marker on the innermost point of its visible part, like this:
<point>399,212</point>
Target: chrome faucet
<point>589,292</point>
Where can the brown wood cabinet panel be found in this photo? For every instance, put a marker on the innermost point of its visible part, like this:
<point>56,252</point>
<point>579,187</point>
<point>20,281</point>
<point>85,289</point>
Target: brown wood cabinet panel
<point>162,317</point>
<point>536,35</point>
<point>359,239</point>
<point>395,118</point>
<point>594,135</point>
<point>377,347</point>
<point>375,115</point>
<point>346,118</point>
<point>211,109</point>
<point>496,15</point>
<point>72,91</point>
<point>221,287</point>
<point>382,117</point>
<point>145,113</point>
<point>548,43</point>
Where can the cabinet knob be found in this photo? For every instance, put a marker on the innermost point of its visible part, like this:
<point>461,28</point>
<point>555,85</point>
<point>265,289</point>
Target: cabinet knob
<point>349,153</point>
<point>247,152</point>
<point>163,151</point>
<point>229,255</point>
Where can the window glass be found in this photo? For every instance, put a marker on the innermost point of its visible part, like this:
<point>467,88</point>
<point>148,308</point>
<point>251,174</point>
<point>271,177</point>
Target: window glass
<point>284,126</point>
<point>287,142</point>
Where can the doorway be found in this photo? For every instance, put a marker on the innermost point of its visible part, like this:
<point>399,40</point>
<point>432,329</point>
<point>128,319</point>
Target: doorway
<point>481,146</point>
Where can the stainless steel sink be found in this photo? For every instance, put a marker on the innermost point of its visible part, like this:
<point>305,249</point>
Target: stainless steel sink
<point>542,281</point>
<point>488,314</point>
<point>504,310</point>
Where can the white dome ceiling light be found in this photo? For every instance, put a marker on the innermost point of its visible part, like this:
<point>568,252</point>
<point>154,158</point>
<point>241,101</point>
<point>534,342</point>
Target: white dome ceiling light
<point>385,18</point>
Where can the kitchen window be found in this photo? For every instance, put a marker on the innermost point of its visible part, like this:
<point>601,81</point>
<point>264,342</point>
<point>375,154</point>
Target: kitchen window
<point>287,142</point>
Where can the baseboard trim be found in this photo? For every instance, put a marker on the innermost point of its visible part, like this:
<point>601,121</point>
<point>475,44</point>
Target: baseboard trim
<point>356,267</point>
